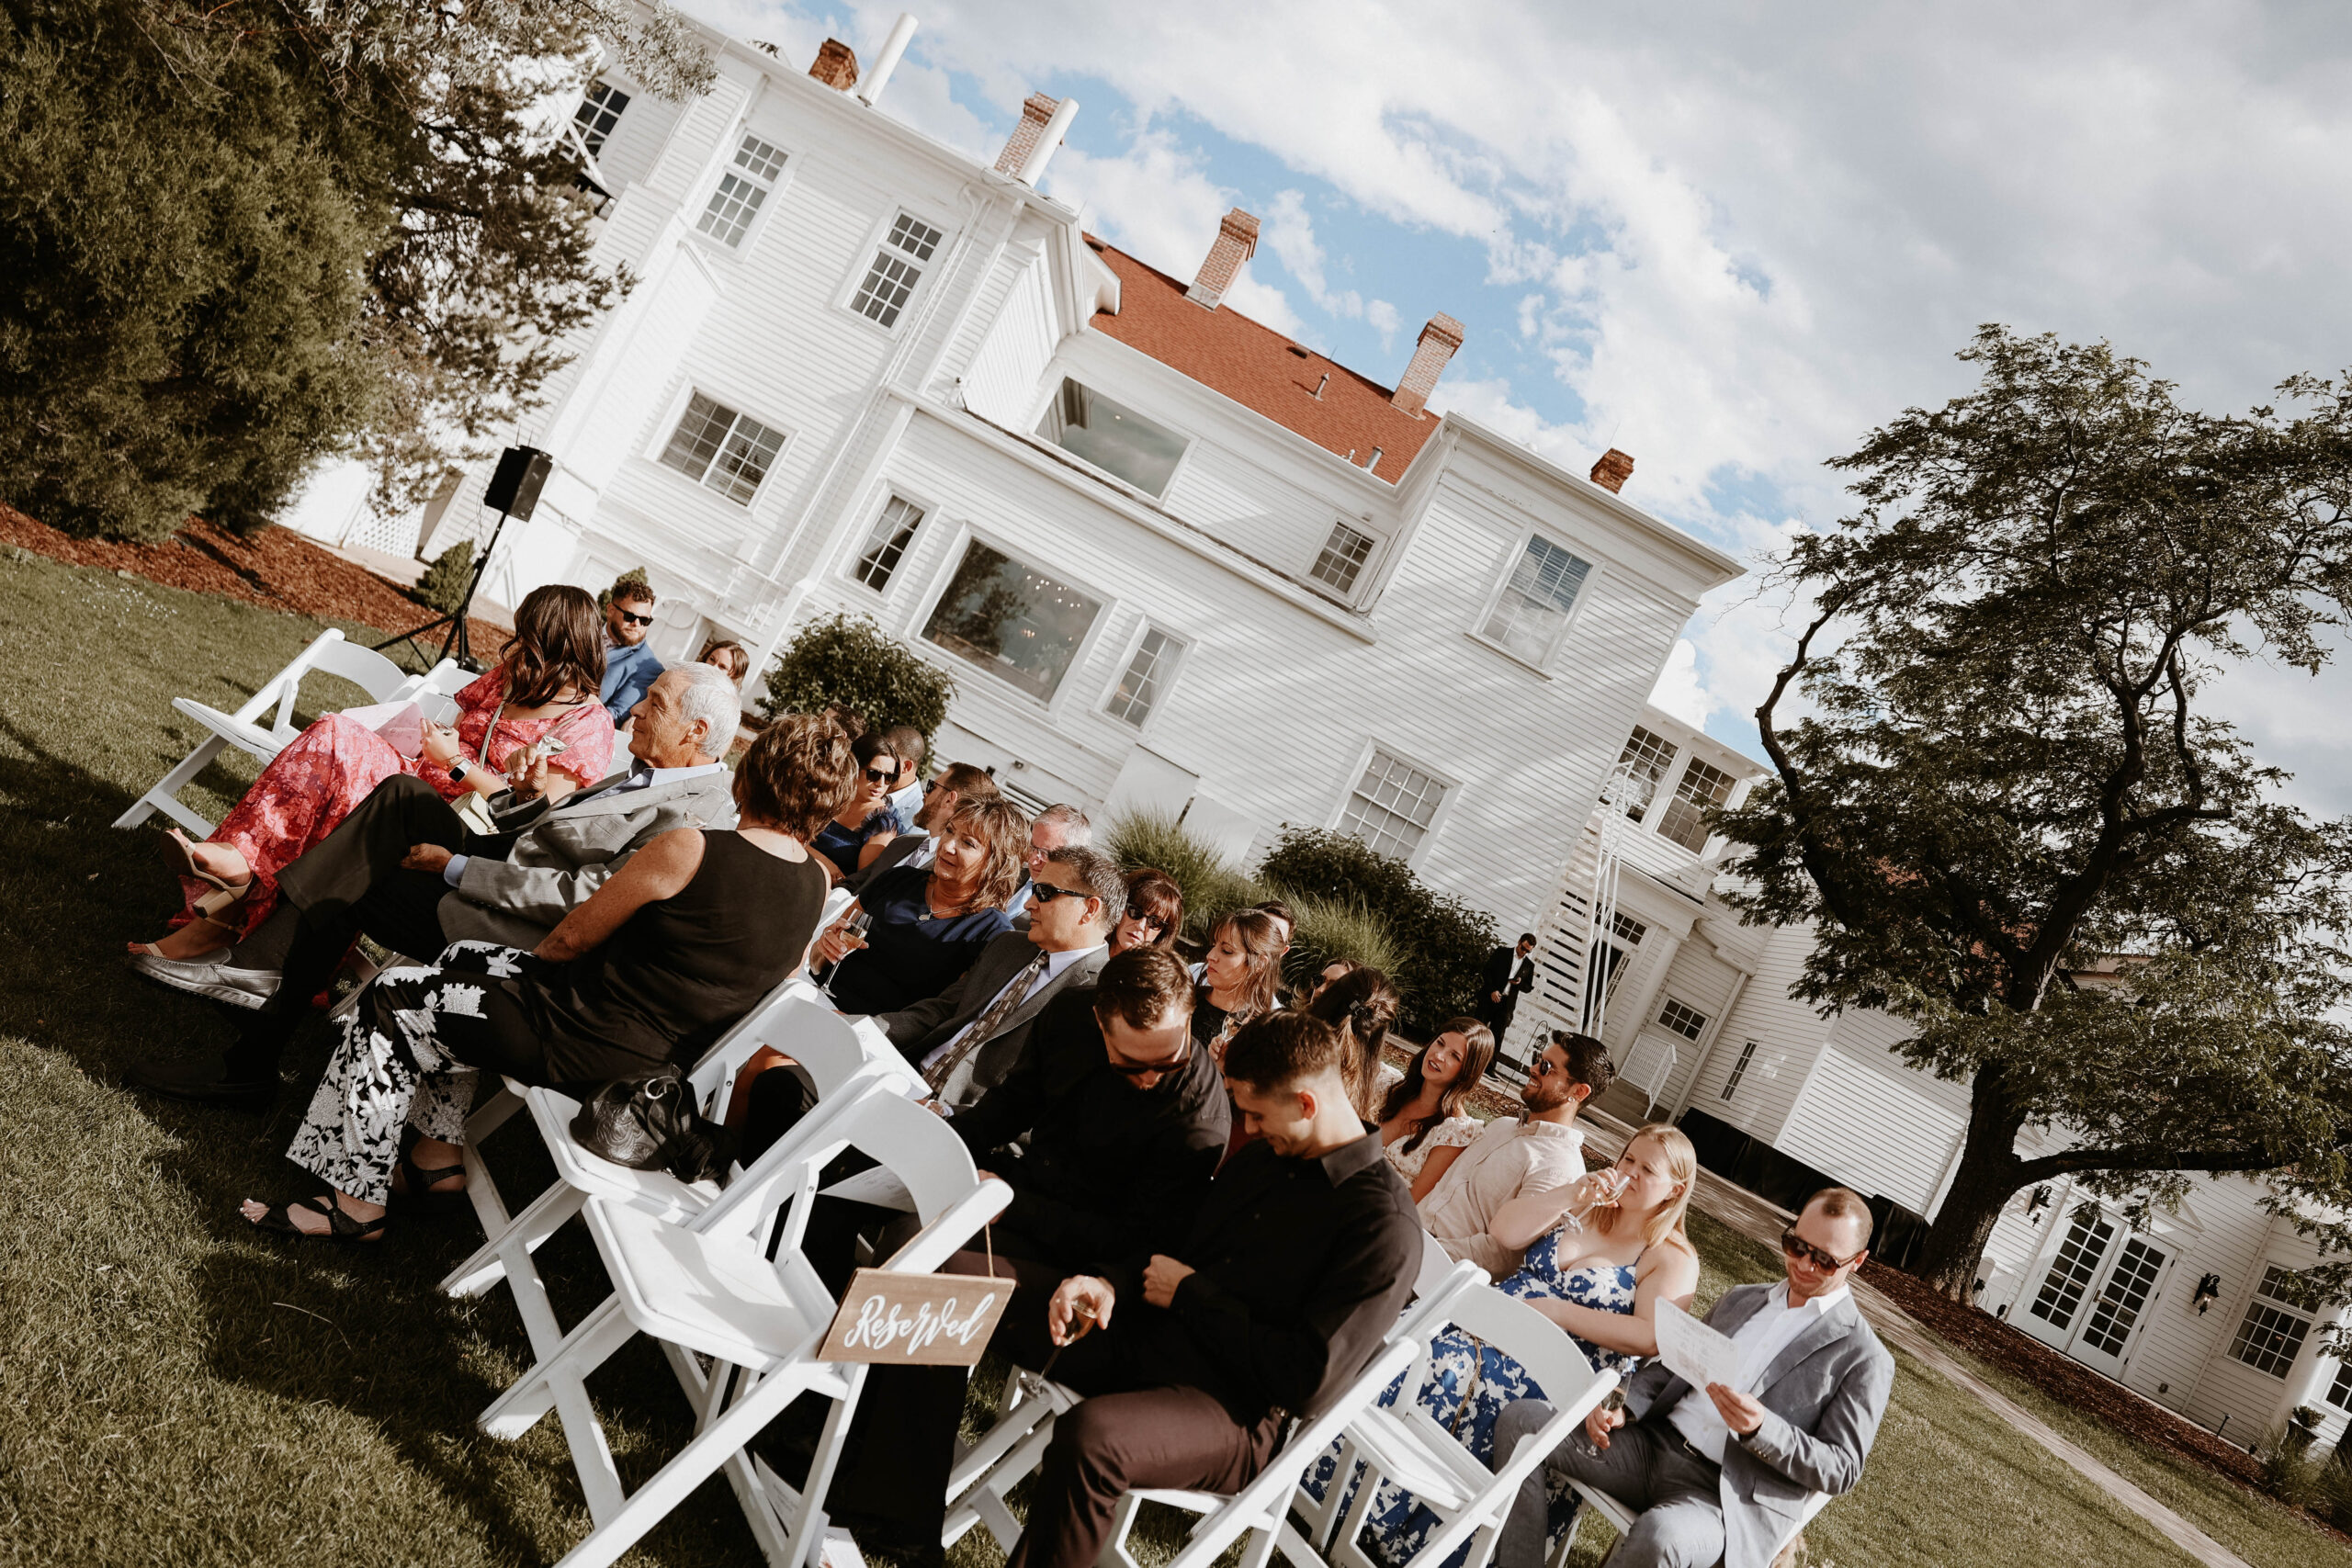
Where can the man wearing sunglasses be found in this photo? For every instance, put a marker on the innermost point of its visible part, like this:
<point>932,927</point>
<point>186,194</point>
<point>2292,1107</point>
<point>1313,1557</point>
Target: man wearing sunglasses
<point>1723,1473</point>
<point>630,667</point>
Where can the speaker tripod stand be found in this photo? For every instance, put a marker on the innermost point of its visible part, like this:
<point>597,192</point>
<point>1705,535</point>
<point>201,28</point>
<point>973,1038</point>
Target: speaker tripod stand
<point>514,490</point>
<point>459,638</point>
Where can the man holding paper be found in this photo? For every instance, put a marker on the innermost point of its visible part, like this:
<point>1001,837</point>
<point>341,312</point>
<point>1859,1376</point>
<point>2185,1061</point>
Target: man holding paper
<point>1724,1470</point>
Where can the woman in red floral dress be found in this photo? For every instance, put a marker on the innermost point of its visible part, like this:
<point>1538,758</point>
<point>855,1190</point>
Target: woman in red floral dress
<point>545,687</point>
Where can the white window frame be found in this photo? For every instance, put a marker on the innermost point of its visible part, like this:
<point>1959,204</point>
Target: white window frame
<point>1366,572</point>
<point>1449,783</point>
<point>711,243</point>
<point>1693,1035</point>
<point>1172,664</point>
<point>1500,580</point>
<point>854,550</point>
<point>604,138</point>
<point>876,238</point>
<point>935,587</point>
<point>1059,371</point>
<point>682,399</point>
<point>2258,1300</point>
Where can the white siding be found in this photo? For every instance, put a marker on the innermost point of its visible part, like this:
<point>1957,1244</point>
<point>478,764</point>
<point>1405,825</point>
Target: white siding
<point>1872,1123</point>
<point>1789,1037</point>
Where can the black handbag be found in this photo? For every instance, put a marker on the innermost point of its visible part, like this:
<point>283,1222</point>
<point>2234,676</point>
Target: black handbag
<point>651,1124</point>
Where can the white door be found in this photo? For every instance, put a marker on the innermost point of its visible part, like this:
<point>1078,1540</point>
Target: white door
<point>2095,1296</point>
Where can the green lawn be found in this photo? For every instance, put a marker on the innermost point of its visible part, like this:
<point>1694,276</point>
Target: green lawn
<point>177,1388</point>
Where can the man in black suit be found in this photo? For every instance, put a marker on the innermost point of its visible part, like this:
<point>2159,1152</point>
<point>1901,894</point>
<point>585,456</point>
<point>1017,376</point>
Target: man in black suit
<point>1509,973</point>
<point>1302,1255</point>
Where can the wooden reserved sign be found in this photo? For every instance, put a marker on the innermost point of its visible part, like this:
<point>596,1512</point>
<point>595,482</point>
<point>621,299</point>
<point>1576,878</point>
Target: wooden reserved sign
<point>916,1320</point>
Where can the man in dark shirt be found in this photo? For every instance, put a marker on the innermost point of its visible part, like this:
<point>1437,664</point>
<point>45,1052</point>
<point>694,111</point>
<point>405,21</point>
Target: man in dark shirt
<point>1298,1263</point>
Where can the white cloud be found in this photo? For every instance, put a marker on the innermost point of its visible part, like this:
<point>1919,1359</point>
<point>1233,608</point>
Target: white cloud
<point>1289,233</point>
<point>1678,690</point>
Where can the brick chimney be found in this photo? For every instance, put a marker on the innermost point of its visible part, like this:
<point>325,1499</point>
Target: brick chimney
<point>836,65</point>
<point>1034,112</point>
<point>1237,242</point>
<point>1613,469</point>
<point>1439,340</point>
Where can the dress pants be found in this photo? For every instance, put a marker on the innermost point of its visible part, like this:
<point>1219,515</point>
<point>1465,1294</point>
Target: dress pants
<point>1644,1467</point>
<point>1131,1431</point>
<point>348,882</point>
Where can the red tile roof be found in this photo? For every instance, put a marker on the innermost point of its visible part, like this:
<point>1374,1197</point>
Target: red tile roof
<point>1259,369</point>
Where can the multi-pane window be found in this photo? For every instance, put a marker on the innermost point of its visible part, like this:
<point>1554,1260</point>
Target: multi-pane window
<point>1147,672</point>
<point>1340,561</point>
<point>898,268</point>
<point>1645,759</point>
<point>887,545</point>
<point>740,190</point>
<point>1111,436</point>
<point>2128,1285</point>
<point>2272,1331</point>
<point>1602,982</point>
<point>2073,1269</point>
<point>1700,789</point>
<point>1012,619</point>
<point>1740,1069</point>
<point>1627,929</point>
<point>717,446</point>
<point>1391,807</point>
<point>1534,603</point>
<point>598,113</point>
<point>1685,1021</point>
<point>2339,1392</point>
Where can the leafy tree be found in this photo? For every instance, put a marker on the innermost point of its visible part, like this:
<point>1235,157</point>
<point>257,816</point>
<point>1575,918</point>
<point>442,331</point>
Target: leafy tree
<point>848,659</point>
<point>2013,813</point>
<point>242,234</point>
<point>442,584</point>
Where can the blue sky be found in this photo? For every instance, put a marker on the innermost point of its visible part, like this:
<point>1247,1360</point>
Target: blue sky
<point>1727,239</point>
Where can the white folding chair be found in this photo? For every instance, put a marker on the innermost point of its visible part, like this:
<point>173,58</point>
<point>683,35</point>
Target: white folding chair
<point>1621,1520</point>
<point>1404,1446</point>
<point>827,1048</point>
<point>712,1289</point>
<point>329,654</point>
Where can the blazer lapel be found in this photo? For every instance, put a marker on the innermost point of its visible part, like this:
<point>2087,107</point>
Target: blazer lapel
<point>1041,994</point>
<point>1736,1307</point>
<point>1827,1329</point>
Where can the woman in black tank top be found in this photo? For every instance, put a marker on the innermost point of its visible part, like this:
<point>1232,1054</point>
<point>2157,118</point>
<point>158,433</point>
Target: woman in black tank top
<point>665,957</point>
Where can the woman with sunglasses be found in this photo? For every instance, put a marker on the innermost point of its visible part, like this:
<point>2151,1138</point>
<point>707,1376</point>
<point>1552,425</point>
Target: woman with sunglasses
<point>866,823</point>
<point>532,723</point>
<point>1155,915</point>
<point>1602,1253</point>
<point>924,925</point>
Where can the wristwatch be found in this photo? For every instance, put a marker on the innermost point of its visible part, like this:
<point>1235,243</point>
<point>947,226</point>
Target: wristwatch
<point>457,771</point>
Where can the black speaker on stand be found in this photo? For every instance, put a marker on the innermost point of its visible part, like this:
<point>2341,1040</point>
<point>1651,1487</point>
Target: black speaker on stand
<point>514,490</point>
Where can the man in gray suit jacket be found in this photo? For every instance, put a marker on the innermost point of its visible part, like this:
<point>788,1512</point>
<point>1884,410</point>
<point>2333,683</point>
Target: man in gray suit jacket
<point>403,869</point>
<point>1723,1473</point>
<point>966,1038</point>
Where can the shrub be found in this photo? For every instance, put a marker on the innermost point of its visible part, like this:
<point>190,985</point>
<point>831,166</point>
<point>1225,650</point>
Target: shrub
<point>1211,888</point>
<point>1332,928</point>
<point>443,585</point>
<point>1441,941</point>
<point>848,659</point>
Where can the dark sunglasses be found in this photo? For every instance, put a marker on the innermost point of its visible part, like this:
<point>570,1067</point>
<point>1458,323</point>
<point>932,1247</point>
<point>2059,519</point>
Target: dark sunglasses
<point>1797,1246</point>
<point>637,620</point>
<point>1145,1069</point>
<point>881,775</point>
<point>1046,892</point>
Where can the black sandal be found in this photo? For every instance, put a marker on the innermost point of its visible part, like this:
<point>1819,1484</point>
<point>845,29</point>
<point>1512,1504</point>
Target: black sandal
<point>278,1219</point>
<point>424,1191</point>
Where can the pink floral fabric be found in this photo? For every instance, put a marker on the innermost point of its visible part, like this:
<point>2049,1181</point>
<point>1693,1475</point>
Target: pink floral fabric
<point>310,788</point>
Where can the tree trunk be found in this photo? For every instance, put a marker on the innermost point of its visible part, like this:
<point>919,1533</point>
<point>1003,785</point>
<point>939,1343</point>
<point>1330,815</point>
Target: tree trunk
<point>1982,1182</point>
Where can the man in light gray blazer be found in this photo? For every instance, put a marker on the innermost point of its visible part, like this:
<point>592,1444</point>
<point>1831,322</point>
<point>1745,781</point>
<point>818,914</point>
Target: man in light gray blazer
<point>403,870</point>
<point>965,1040</point>
<point>1723,1473</point>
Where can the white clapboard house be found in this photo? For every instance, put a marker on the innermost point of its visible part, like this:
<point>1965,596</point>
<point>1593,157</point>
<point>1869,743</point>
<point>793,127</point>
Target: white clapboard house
<point>1174,558</point>
<point>2187,1310</point>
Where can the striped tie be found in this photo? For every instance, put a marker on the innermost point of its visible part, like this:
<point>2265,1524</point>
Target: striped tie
<point>988,1024</point>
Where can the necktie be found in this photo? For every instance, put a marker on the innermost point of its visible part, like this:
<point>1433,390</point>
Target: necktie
<point>988,1024</point>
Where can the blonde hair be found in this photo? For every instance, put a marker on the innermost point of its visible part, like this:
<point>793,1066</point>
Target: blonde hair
<point>1682,1163</point>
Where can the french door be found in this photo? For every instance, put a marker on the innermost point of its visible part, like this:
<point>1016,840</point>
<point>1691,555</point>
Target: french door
<point>2095,1296</point>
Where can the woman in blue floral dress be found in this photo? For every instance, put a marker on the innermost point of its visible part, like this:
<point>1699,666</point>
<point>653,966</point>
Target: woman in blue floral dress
<point>1599,1282</point>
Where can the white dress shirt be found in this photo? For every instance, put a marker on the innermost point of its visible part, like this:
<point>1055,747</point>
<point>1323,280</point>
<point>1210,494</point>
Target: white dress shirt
<point>1055,964</point>
<point>639,777</point>
<point>1762,1337</point>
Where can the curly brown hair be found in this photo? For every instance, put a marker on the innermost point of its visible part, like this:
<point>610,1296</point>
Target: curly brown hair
<point>1004,829</point>
<point>558,643</point>
<point>797,774</point>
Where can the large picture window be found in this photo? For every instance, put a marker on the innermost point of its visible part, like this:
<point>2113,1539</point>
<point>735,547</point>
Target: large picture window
<point>1011,620</point>
<point>1534,604</point>
<point>1111,436</point>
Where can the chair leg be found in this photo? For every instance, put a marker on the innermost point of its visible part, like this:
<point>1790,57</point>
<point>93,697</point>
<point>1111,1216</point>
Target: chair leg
<point>162,797</point>
<point>585,1349</point>
<point>1115,1550</point>
<point>521,1235</point>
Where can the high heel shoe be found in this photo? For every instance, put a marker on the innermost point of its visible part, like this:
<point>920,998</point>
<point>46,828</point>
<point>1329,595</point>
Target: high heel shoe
<point>225,895</point>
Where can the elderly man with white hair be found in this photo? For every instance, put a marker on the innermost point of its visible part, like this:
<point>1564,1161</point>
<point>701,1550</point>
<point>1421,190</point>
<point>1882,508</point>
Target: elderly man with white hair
<point>406,870</point>
<point>1056,828</point>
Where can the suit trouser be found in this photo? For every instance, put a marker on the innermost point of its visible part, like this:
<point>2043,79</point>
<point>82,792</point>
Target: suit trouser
<point>1126,1435</point>
<point>1644,1467</point>
<point>349,882</point>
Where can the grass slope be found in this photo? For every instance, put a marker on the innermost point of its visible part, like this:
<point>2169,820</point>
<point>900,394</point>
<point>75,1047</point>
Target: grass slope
<point>175,1388</point>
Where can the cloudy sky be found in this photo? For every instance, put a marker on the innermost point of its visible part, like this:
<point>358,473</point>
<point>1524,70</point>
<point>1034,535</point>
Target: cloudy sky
<point>1728,242</point>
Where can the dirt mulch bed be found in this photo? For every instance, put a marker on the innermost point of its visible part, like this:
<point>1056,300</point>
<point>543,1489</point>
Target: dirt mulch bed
<point>276,569</point>
<point>1996,1342</point>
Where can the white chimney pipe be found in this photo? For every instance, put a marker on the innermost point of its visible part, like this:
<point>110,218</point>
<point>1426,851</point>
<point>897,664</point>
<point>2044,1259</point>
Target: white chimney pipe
<point>888,60</point>
<point>1047,139</point>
